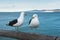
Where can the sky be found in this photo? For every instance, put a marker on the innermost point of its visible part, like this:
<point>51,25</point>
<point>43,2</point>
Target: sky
<point>24,5</point>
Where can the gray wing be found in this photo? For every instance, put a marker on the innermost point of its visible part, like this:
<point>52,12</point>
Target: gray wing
<point>11,23</point>
<point>30,21</point>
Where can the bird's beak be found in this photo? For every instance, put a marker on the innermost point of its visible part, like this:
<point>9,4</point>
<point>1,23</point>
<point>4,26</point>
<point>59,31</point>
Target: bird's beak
<point>32,17</point>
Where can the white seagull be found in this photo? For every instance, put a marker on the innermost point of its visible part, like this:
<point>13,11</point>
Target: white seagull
<point>17,22</point>
<point>34,22</point>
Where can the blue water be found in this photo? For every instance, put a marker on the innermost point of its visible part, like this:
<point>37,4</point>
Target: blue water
<point>49,22</point>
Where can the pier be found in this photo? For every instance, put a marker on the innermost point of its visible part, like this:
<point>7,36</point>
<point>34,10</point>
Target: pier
<point>26,36</point>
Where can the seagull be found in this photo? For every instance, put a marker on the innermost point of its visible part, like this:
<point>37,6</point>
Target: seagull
<point>34,22</point>
<point>17,22</point>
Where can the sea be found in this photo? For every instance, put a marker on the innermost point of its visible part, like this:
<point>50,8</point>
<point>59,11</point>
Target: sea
<point>49,23</point>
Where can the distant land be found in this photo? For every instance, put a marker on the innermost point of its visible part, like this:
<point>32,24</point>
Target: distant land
<point>47,10</point>
<point>43,10</point>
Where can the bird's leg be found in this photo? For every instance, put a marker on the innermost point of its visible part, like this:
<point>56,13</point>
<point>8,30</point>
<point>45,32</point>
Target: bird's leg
<point>16,29</point>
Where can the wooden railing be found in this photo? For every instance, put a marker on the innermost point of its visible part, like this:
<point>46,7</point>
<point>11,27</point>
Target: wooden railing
<point>26,36</point>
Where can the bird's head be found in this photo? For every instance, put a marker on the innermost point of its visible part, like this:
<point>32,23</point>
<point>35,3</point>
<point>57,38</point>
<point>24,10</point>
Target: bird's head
<point>35,15</point>
<point>23,13</point>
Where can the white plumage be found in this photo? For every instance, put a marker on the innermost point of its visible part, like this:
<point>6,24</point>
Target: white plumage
<point>34,22</point>
<point>17,22</point>
<point>20,20</point>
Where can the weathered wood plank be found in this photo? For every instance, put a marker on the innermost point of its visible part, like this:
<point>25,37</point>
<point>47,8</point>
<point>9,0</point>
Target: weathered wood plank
<point>25,36</point>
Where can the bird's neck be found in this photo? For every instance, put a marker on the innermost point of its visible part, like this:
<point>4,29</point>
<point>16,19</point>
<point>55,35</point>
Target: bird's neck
<point>21,17</point>
<point>36,18</point>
